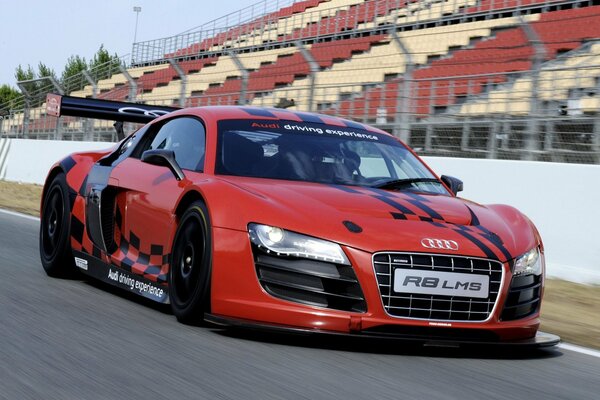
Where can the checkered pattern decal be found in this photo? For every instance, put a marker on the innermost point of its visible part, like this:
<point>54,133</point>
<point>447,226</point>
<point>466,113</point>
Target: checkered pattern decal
<point>150,261</point>
<point>135,256</point>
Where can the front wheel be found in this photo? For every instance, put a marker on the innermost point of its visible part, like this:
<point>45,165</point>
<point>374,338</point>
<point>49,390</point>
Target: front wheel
<point>55,248</point>
<point>189,273</point>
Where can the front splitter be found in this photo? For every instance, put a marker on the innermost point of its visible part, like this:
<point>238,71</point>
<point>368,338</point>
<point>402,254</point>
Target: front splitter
<point>540,340</point>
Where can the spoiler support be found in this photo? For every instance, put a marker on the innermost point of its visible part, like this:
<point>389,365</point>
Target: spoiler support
<point>59,105</point>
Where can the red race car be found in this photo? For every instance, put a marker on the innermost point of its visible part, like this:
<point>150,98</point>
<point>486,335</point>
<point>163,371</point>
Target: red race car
<point>284,220</point>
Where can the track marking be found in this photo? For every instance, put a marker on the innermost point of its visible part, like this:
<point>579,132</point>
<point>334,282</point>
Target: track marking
<point>18,214</point>
<point>580,349</point>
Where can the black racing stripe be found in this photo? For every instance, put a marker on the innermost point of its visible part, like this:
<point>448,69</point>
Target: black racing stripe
<point>474,219</point>
<point>496,241</point>
<point>396,215</point>
<point>380,192</point>
<point>67,164</point>
<point>345,189</point>
<point>392,203</point>
<point>488,252</point>
<point>438,224</point>
<point>352,124</point>
<point>259,112</point>
<point>489,235</point>
<point>305,117</point>
<point>430,211</point>
<point>416,196</point>
<point>426,219</point>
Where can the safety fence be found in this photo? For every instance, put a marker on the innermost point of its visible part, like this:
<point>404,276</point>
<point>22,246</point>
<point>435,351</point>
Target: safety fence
<point>521,85</point>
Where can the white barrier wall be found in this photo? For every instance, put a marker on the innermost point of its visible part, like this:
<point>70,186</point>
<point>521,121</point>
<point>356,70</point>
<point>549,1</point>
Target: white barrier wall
<point>563,200</point>
<point>30,160</point>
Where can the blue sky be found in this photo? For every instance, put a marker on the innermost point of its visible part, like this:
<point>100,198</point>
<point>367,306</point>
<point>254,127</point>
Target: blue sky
<point>50,31</point>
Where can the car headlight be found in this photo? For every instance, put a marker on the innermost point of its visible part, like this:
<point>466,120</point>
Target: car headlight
<point>529,263</point>
<point>289,243</point>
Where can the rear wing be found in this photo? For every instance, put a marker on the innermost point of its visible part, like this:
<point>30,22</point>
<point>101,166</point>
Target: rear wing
<point>58,105</point>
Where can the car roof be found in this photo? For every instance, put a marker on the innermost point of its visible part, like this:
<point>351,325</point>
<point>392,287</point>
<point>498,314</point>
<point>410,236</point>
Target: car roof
<point>274,114</point>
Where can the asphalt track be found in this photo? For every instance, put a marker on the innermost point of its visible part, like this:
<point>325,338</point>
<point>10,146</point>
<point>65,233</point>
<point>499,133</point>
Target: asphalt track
<point>73,339</point>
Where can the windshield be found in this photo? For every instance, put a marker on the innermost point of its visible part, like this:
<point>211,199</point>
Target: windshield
<point>313,152</point>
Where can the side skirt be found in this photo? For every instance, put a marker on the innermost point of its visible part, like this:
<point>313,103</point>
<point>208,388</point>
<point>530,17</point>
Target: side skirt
<point>111,274</point>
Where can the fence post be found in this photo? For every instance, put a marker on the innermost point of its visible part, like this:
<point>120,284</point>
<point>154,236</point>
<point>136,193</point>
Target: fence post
<point>240,66</point>
<point>133,89</point>
<point>26,109</point>
<point>183,78</point>
<point>314,68</point>
<point>466,132</point>
<point>539,54</point>
<point>402,118</point>
<point>132,84</point>
<point>92,82</point>
<point>59,89</point>
<point>88,125</point>
<point>492,137</point>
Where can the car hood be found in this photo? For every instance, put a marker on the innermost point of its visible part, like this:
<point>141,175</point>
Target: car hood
<point>387,220</point>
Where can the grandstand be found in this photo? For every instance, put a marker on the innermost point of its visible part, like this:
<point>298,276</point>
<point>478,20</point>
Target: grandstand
<point>486,78</point>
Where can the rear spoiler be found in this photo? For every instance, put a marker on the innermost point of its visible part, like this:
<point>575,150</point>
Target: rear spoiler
<point>58,105</point>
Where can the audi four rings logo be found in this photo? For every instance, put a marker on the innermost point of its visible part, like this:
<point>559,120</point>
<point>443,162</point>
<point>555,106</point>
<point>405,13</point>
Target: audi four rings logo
<point>440,244</point>
<point>136,110</point>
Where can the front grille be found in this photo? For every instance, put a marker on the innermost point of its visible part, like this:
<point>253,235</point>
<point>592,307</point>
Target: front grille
<point>433,306</point>
<point>310,282</point>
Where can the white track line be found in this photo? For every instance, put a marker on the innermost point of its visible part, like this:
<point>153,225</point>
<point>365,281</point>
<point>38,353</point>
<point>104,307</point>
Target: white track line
<point>566,346</point>
<point>579,349</point>
<point>18,214</point>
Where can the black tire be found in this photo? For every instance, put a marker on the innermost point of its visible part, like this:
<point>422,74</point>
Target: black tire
<point>190,266</point>
<point>55,246</point>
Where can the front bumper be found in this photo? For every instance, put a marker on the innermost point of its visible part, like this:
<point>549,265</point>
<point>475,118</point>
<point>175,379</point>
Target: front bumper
<point>237,299</point>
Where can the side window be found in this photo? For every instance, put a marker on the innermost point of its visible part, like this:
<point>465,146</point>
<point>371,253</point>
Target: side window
<point>186,137</point>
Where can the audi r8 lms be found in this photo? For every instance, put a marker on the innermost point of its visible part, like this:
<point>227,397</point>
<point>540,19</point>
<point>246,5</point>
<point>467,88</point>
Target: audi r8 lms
<point>246,216</point>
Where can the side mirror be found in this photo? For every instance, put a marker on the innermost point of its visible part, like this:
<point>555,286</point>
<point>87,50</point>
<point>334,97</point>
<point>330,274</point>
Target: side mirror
<point>163,158</point>
<point>455,184</point>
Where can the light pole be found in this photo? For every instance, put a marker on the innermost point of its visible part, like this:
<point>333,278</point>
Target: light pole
<point>137,11</point>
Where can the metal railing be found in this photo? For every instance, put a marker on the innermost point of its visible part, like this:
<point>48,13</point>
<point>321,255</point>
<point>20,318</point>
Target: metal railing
<point>269,29</point>
<point>548,111</point>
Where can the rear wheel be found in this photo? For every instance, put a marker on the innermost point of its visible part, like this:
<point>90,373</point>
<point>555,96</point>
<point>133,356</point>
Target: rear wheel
<point>55,249</point>
<point>191,257</point>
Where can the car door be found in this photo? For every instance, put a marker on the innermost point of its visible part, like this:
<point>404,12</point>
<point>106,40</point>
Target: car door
<point>146,196</point>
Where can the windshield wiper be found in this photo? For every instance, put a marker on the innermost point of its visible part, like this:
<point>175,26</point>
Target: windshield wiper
<point>395,183</point>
